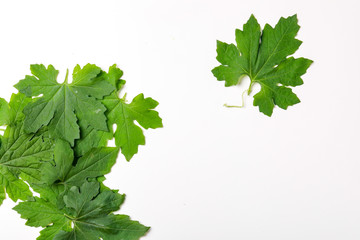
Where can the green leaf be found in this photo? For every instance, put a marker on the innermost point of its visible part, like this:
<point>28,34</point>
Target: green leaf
<point>128,135</point>
<point>4,112</point>
<point>95,163</point>
<point>62,105</point>
<point>263,56</point>
<point>21,153</point>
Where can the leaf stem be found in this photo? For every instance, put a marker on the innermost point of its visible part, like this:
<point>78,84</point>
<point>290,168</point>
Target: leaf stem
<point>69,217</point>
<point>66,76</point>
<point>242,101</point>
<point>124,97</point>
<point>233,106</point>
<point>250,87</point>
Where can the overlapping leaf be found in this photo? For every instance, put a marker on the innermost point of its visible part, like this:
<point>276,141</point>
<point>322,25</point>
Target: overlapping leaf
<point>128,135</point>
<point>62,106</point>
<point>65,173</point>
<point>56,139</point>
<point>20,153</point>
<point>263,56</point>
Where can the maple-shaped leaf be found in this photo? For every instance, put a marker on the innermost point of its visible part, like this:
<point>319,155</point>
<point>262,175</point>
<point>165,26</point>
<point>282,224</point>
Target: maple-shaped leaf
<point>263,56</point>
<point>128,135</point>
<point>127,117</point>
<point>87,210</point>
<point>21,153</point>
<point>63,105</point>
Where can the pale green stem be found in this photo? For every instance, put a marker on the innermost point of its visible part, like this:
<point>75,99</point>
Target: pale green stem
<point>67,75</point>
<point>69,217</point>
<point>250,88</point>
<point>242,101</point>
<point>233,106</point>
<point>124,97</point>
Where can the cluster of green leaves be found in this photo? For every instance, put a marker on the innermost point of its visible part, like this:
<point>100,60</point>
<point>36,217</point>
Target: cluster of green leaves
<point>55,144</point>
<point>262,55</point>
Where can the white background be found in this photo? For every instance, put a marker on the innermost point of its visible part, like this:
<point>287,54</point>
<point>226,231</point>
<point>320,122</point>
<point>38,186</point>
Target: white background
<point>211,173</point>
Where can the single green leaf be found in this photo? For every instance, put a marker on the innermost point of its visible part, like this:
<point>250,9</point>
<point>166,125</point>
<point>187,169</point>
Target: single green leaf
<point>62,105</point>
<point>263,56</point>
<point>128,135</point>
